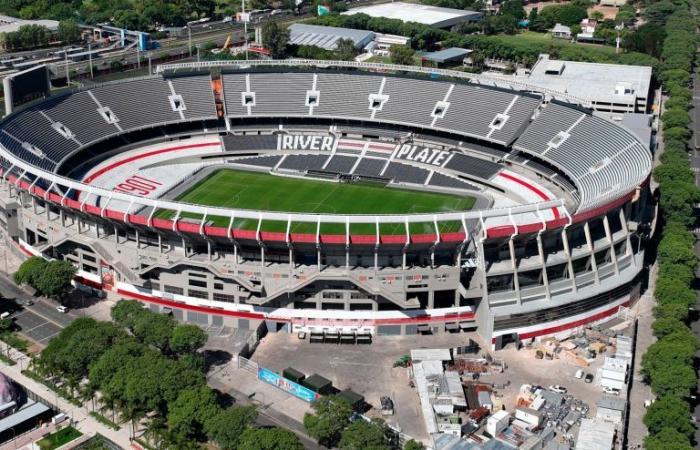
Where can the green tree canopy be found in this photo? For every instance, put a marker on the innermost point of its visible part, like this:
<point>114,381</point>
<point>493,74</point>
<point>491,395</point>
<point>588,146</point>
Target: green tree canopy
<point>361,435</point>
<point>669,412</point>
<point>187,339</point>
<point>227,426</point>
<point>331,415</point>
<point>275,38</point>
<point>401,54</point>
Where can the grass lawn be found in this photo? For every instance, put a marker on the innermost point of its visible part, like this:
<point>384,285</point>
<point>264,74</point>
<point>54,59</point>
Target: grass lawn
<point>59,438</point>
<point>260,191</point>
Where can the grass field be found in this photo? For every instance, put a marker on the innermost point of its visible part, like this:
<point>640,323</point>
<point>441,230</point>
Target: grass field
<point>59,438</point>
<point>259,191</point>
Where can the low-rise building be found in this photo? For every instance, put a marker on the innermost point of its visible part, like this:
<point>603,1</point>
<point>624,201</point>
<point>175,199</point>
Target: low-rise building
<point>561,31</point>
<point>327,37</point>
<point>434,16</point>
<point>497,422</point>
<point>595,434</point>
<point>611,409</point>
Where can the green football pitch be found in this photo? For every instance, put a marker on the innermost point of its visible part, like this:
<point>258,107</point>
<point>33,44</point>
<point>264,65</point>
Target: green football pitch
<point>261,191</point>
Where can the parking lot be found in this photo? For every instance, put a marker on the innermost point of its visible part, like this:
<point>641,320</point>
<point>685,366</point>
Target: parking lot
<point>366,369</point>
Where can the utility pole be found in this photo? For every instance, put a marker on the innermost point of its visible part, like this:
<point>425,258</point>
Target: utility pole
<point>65,58</point>
<point>90,59</point>
<point>189,39</point>
<point>245,27</point>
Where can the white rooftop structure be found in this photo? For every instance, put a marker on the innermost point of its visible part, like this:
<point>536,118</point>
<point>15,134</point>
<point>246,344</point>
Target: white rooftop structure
<point>414,12</point>
<point>595,434</point>
<point>431,354</point>
<point>609,87</point>
<point>327,37</point>
<point>10,24</point>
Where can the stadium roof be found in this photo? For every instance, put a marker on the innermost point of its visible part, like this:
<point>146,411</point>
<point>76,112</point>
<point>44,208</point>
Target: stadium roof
<point>327,37</point>
<point>592,80</point>
<point>413,12</point>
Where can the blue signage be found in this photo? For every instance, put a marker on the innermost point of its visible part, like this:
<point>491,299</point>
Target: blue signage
<point>286,385</point>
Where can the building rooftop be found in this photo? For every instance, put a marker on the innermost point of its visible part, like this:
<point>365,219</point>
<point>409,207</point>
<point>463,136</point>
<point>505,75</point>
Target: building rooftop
<point>611,82</point>
<point>447,55</point>
<point>10,24</point>
<point>327,37</point>
<point>431,354</point>
<point>414,12</point>
<point>595,434</point>
<point>608,402</point>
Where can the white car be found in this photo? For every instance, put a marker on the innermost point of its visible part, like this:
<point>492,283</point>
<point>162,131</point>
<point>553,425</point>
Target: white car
<point>558,389</point>
<point>611,391</point>
<point>579,374</point>
<point>62,309</point>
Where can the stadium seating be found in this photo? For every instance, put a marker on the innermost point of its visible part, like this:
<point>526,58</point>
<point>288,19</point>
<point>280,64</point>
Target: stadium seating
<point>403,173</point>
<point>280,96</point>
<point>303,162</point>
<point>78,112</point>
<point>340,164</point>
<point>440,180</point>
<point>248,142</point>
<point>370,167</point>
<point>138,103</point>
<point>198,96</point>
<point>469,165</point>
<point>411,101</point>
<point>345,95</point>
<point>262,161</point>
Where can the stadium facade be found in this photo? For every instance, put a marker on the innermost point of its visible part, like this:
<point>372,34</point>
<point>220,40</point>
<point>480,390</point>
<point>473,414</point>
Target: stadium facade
<point>554,241</point>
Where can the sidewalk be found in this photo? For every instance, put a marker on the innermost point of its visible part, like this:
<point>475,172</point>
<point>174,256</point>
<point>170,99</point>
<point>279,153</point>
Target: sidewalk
<point>80,415</point>
<point>640,391</point>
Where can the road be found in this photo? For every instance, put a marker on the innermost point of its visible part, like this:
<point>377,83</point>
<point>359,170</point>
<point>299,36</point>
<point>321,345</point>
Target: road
<point>40,321</point>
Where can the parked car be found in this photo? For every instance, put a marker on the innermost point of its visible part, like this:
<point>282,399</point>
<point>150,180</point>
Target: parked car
<point>558,389</point>
<point>62,309</point>
<point>611,391</point>
<point>579,374</point>
<point>588,378</point>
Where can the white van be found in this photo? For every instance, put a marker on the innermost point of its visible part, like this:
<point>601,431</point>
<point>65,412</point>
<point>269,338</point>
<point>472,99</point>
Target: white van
<point>4,315</point>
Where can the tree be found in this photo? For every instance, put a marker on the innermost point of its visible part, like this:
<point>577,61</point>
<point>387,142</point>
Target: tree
<point>664,326</point>
<point>401,54</point>
<point>192,409</point>
<point>361,435</point>
<point>68,31</point>
<point>56,278</point>
<point>269,439</point>
<point>414,445</point>
<point>227,426</point>
<point>513,8</point>
<point>30,270</point>
<point>330,417</point>
<point>126,312</point>
<point>669,412</point>
<point>667,439</point>
<point>345,49</point>
<point>275,38</point>
<point>154,329</point>
<point>187,339</point>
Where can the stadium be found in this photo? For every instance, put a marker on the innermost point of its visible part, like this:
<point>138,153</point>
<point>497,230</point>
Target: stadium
<point>335,198</point>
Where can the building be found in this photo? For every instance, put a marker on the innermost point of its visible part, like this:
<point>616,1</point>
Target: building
<point>609,87</point>
<point>497,422</point>
<point>617,3</point>
<point>545,177</point>
<point>327,37</point>
<point>611,409</point>
<point>384,42</point>
<point>613,373</point>
<point>10,24</point>
<point>529,416</point>
<point>448,56</point>
<point>561,31</point>
<point>415,12</point>
<point>595,434</point>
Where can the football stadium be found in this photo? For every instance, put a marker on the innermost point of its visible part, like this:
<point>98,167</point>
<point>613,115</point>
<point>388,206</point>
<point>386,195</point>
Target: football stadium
<point>335,198</point>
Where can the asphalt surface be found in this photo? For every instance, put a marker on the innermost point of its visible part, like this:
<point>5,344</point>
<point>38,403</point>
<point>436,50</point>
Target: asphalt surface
<point>40,321</point>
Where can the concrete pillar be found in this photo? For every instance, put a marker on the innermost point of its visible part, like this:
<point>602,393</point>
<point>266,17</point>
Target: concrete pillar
<point>160,243</point>
<point>513,263</point>
<point>570,263</point>
<point>589,241</point>
<point>545,277</point>
<point>209,249</point>
<point>613,256</point>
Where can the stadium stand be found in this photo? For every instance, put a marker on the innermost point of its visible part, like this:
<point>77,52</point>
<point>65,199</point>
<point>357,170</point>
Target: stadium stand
<point>303,162</point>
<point>275,96</point>
<point>78,112</point>
<point>234,85</point>
<point>403,173</point>
<point>440,180</point>
<point>248,142</point>
<point>197,94</point>
<point>468,165</point>
<point>340,164</point>
<point>370,167</point>
<point>411,100</point>
<point>150,94</point>
<point>338,101</point>
<point>263,161</point>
